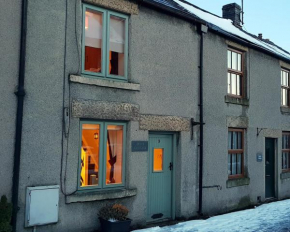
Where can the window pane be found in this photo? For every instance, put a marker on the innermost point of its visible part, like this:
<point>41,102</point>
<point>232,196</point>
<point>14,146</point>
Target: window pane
<point>238,85</point>
<point>234,84</point>
<point>239,163</point>
<point>287,79</point>
<point>285,160</point>
<point>282,78</point>
<point>240,145</point>
<point>90,155</point>
<point>239,62</point>
<point>114,154</point>
<point>234,164</point>
<point>229,83</point>
<point>229,165</point>
<point>284,97</point>
<point>93,41</point>
<point>117,46</point>
<point>229,59</point>
<point>288,142</point>
<point>230,140</point>
<point>235,139</point>
<point>158,160</point>
<point>234,60</point>
<point>284,142</point>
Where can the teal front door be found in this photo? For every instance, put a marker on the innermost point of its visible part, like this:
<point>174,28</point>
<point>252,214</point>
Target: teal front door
<point>160,177</point>
<point>270,168</point>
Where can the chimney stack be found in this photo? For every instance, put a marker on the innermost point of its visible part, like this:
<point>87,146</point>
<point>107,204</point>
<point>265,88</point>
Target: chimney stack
<point>260,36</point>
<point>233,11</point>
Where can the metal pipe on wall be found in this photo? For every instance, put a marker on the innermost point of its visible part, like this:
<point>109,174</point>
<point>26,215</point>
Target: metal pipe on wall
<point>203,30</point>
<point>20,93</point>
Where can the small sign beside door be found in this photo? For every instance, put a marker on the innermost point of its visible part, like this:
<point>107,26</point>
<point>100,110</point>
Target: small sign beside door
<point>259,157</point>
<point>139,146</point>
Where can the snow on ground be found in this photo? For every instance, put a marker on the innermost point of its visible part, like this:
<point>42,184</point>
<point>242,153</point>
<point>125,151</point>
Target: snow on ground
<point>272,217</point>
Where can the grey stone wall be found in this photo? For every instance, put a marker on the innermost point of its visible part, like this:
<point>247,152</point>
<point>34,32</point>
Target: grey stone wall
<point>119,5</point>
<point>262,111</point>
<point>10,16</point>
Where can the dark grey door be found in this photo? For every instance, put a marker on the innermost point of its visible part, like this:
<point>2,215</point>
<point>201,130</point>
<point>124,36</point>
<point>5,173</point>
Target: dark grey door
<point>270,168</point>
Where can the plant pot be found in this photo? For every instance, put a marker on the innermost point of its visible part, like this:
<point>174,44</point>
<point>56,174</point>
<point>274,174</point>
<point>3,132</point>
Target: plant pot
<point>118,226</point>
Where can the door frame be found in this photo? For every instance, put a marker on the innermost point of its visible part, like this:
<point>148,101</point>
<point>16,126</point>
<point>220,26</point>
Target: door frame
<point>275,167</point>
<point>175,136</point>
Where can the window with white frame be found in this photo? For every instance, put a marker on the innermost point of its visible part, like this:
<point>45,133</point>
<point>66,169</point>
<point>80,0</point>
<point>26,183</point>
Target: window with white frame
<point>102,155</point>
<point>235,73</point>
<point>104,43</point>
<point>286,151</point>
<point>285,88</point>
<point>235,153</point>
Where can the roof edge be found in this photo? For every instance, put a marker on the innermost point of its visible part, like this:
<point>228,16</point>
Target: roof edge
<point>172,11</point>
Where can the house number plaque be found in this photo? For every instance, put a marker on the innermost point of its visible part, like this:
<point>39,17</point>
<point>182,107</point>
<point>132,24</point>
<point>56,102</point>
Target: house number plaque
<point>138,146</point>
<point>259,157</point>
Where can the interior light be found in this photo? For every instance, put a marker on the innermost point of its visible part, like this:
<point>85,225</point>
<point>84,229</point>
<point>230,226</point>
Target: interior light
<point>96,136</point>
<point>87,23</point>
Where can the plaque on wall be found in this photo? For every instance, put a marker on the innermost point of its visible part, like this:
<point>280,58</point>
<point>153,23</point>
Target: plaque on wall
<point>139,146</point>
<point>259,157</point>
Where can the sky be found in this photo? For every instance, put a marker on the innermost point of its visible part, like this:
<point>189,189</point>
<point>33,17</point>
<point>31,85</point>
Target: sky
<point>269,17</point>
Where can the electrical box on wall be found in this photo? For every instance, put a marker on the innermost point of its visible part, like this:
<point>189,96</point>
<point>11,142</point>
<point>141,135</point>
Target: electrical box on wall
<point>41,205</point>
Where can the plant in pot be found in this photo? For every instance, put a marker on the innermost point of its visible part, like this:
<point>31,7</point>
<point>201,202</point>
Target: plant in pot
<point>113,218</point>
<point>5,215</point>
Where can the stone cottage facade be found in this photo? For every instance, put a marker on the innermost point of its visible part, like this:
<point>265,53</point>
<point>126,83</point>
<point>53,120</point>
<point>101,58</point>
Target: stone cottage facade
<point>143,103</point>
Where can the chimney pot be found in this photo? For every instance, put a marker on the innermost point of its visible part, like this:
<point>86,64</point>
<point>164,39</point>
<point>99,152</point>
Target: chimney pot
<point>233,11</point>
<point>260,36</point>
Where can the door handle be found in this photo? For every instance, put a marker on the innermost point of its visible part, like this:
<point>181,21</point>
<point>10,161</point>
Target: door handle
<point>170,166</point>
<point>268,175</point>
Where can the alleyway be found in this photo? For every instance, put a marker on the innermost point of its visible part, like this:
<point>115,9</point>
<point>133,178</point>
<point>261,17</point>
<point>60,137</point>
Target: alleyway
<point>272,217</point>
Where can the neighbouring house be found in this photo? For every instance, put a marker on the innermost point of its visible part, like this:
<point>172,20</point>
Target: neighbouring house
<point>155,104</point>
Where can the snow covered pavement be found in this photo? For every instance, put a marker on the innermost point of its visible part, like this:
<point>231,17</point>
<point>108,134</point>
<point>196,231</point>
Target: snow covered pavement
<point>272,217</point>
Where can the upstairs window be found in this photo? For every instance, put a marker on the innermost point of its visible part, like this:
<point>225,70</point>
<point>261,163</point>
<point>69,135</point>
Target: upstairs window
<point>235,153</point>
<point>105,43</point>
<point>286,151</point>
<point>285,88</point>
<point>235,73</point>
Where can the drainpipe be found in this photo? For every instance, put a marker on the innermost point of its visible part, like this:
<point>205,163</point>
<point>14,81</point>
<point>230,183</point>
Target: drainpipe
<point>20,93</point>
<point>203,30</point>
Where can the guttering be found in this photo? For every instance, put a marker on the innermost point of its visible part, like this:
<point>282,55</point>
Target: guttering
<point>203,30</point>
<point>20,93</point>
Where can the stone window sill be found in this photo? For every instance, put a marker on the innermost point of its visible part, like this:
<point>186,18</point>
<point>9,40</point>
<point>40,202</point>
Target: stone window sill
<point>237,101</point>
<point>285,175</point>
<point>285,110</point>
<point>105,83</point>
<point>238,182</point>
<point>100,195</point>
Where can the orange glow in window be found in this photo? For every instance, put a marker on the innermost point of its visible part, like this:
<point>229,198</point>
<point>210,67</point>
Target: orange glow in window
<point>158,160</point>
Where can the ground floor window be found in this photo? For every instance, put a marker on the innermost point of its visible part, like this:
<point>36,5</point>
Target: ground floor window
<point>102,154</point>
<point>235,153</point>
<point>286,151</point>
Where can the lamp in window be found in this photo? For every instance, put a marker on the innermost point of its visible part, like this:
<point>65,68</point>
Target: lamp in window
<point>96,136</point>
